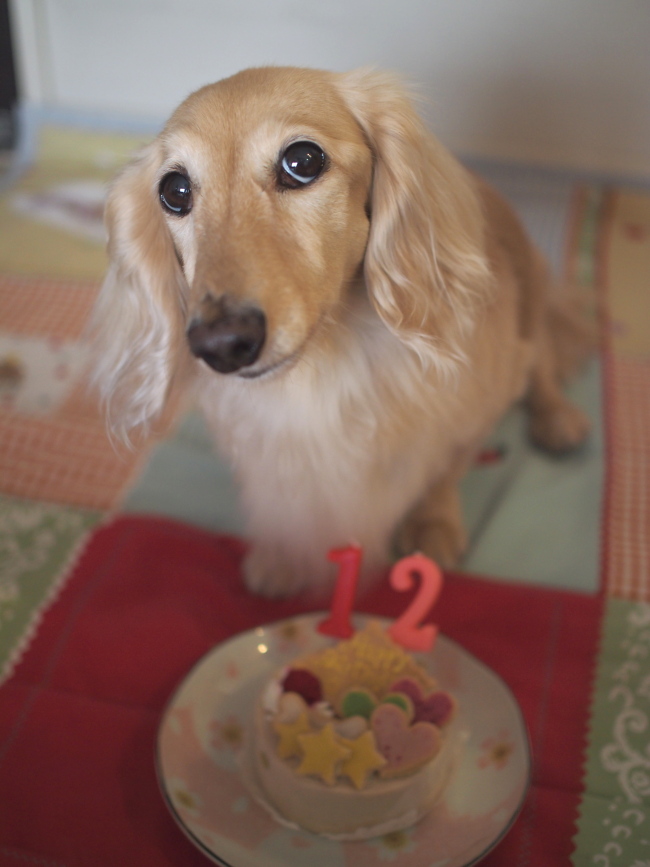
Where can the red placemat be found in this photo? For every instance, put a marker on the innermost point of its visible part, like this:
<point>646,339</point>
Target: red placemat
<point>149,597</point>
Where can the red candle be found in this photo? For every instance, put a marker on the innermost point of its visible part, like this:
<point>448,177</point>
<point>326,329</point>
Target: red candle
<point>408,629</point>
<point>338,624</point>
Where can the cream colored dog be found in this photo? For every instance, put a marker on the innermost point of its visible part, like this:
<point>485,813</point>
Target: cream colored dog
<point>354,309</point>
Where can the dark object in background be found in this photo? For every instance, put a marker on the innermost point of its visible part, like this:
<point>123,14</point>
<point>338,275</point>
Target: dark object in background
<point>8,91</point>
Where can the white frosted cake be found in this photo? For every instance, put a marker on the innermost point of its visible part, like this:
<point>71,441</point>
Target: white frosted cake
<point>354,740</point>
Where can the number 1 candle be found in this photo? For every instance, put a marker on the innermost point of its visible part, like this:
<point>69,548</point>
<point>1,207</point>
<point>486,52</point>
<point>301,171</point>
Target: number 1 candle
<point>339,624</point>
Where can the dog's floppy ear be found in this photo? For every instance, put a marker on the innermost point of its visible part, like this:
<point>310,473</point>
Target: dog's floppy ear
<point>425,264</point>
<point>136,331</point>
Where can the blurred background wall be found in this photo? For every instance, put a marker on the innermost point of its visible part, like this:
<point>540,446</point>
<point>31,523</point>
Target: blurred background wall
<point>8,92</point>
<point>564,83</point>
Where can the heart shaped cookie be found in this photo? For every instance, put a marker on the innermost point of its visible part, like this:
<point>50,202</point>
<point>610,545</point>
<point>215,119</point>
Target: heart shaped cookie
<point>405,747</point>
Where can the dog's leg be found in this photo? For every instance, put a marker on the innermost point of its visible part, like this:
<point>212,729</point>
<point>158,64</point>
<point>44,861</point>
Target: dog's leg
<point>435,525</point>
<point>564,336</point>
<point>555,423</point>
<point>268,571</point>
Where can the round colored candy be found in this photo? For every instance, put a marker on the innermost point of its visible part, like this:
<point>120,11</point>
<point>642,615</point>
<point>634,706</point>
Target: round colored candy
<point>303,682</point>
<point>437,707</point>
<point>402,701</point>
<point>290,707</point>
<point>351,728</point>
<point>357,702</point>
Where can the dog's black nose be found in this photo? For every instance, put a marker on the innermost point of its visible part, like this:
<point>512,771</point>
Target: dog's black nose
<point>229,335</point>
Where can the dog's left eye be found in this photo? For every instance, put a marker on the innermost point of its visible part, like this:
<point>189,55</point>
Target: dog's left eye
<point>301,163</point>
<point>175,191</point>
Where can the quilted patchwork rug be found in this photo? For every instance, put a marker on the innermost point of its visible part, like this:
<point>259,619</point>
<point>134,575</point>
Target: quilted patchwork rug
<point>120,569</point>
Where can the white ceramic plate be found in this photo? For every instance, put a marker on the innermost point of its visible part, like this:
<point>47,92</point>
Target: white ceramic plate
<point>207,722</point>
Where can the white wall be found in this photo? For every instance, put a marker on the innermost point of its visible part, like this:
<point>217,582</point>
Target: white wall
<point>559,82</point>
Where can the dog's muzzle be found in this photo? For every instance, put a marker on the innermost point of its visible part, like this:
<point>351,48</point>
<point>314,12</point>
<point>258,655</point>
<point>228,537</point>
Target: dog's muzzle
<point>228,335</point>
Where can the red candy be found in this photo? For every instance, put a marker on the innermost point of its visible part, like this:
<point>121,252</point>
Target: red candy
<point>304,683</point>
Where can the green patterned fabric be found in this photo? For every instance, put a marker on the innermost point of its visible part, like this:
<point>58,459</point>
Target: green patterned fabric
<point>38,541</point>
<point>614,830</point>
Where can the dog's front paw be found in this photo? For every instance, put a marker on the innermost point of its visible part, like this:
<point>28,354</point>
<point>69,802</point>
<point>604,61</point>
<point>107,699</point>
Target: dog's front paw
<point>268,575</point>
<point>560,428</point>
<point>444,541</point>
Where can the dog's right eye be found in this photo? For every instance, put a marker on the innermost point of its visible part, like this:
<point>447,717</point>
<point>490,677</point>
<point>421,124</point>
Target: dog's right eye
<point>175,191</point>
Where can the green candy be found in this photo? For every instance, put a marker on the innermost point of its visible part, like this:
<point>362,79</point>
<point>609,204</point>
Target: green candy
<point>358,702</point>
<point>402,701</point>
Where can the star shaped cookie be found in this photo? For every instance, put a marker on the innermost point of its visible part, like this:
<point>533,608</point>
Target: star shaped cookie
<point>363,760</point>
<point>323,752</point>
<point>289,734</point>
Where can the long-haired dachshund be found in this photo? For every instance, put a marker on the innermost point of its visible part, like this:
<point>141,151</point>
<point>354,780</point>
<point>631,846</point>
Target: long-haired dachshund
<point>353,308</point>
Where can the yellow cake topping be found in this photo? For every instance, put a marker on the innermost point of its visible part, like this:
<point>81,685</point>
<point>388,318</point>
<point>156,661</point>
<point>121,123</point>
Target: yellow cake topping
<point>370,658</point>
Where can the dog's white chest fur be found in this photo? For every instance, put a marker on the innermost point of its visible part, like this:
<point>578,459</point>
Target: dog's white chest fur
<point>320,459</point>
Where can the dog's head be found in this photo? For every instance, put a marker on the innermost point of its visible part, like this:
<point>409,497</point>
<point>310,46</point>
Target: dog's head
<point>240,231</point>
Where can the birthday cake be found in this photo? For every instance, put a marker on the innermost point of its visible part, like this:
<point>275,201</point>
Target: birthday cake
<point>354,740</point>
